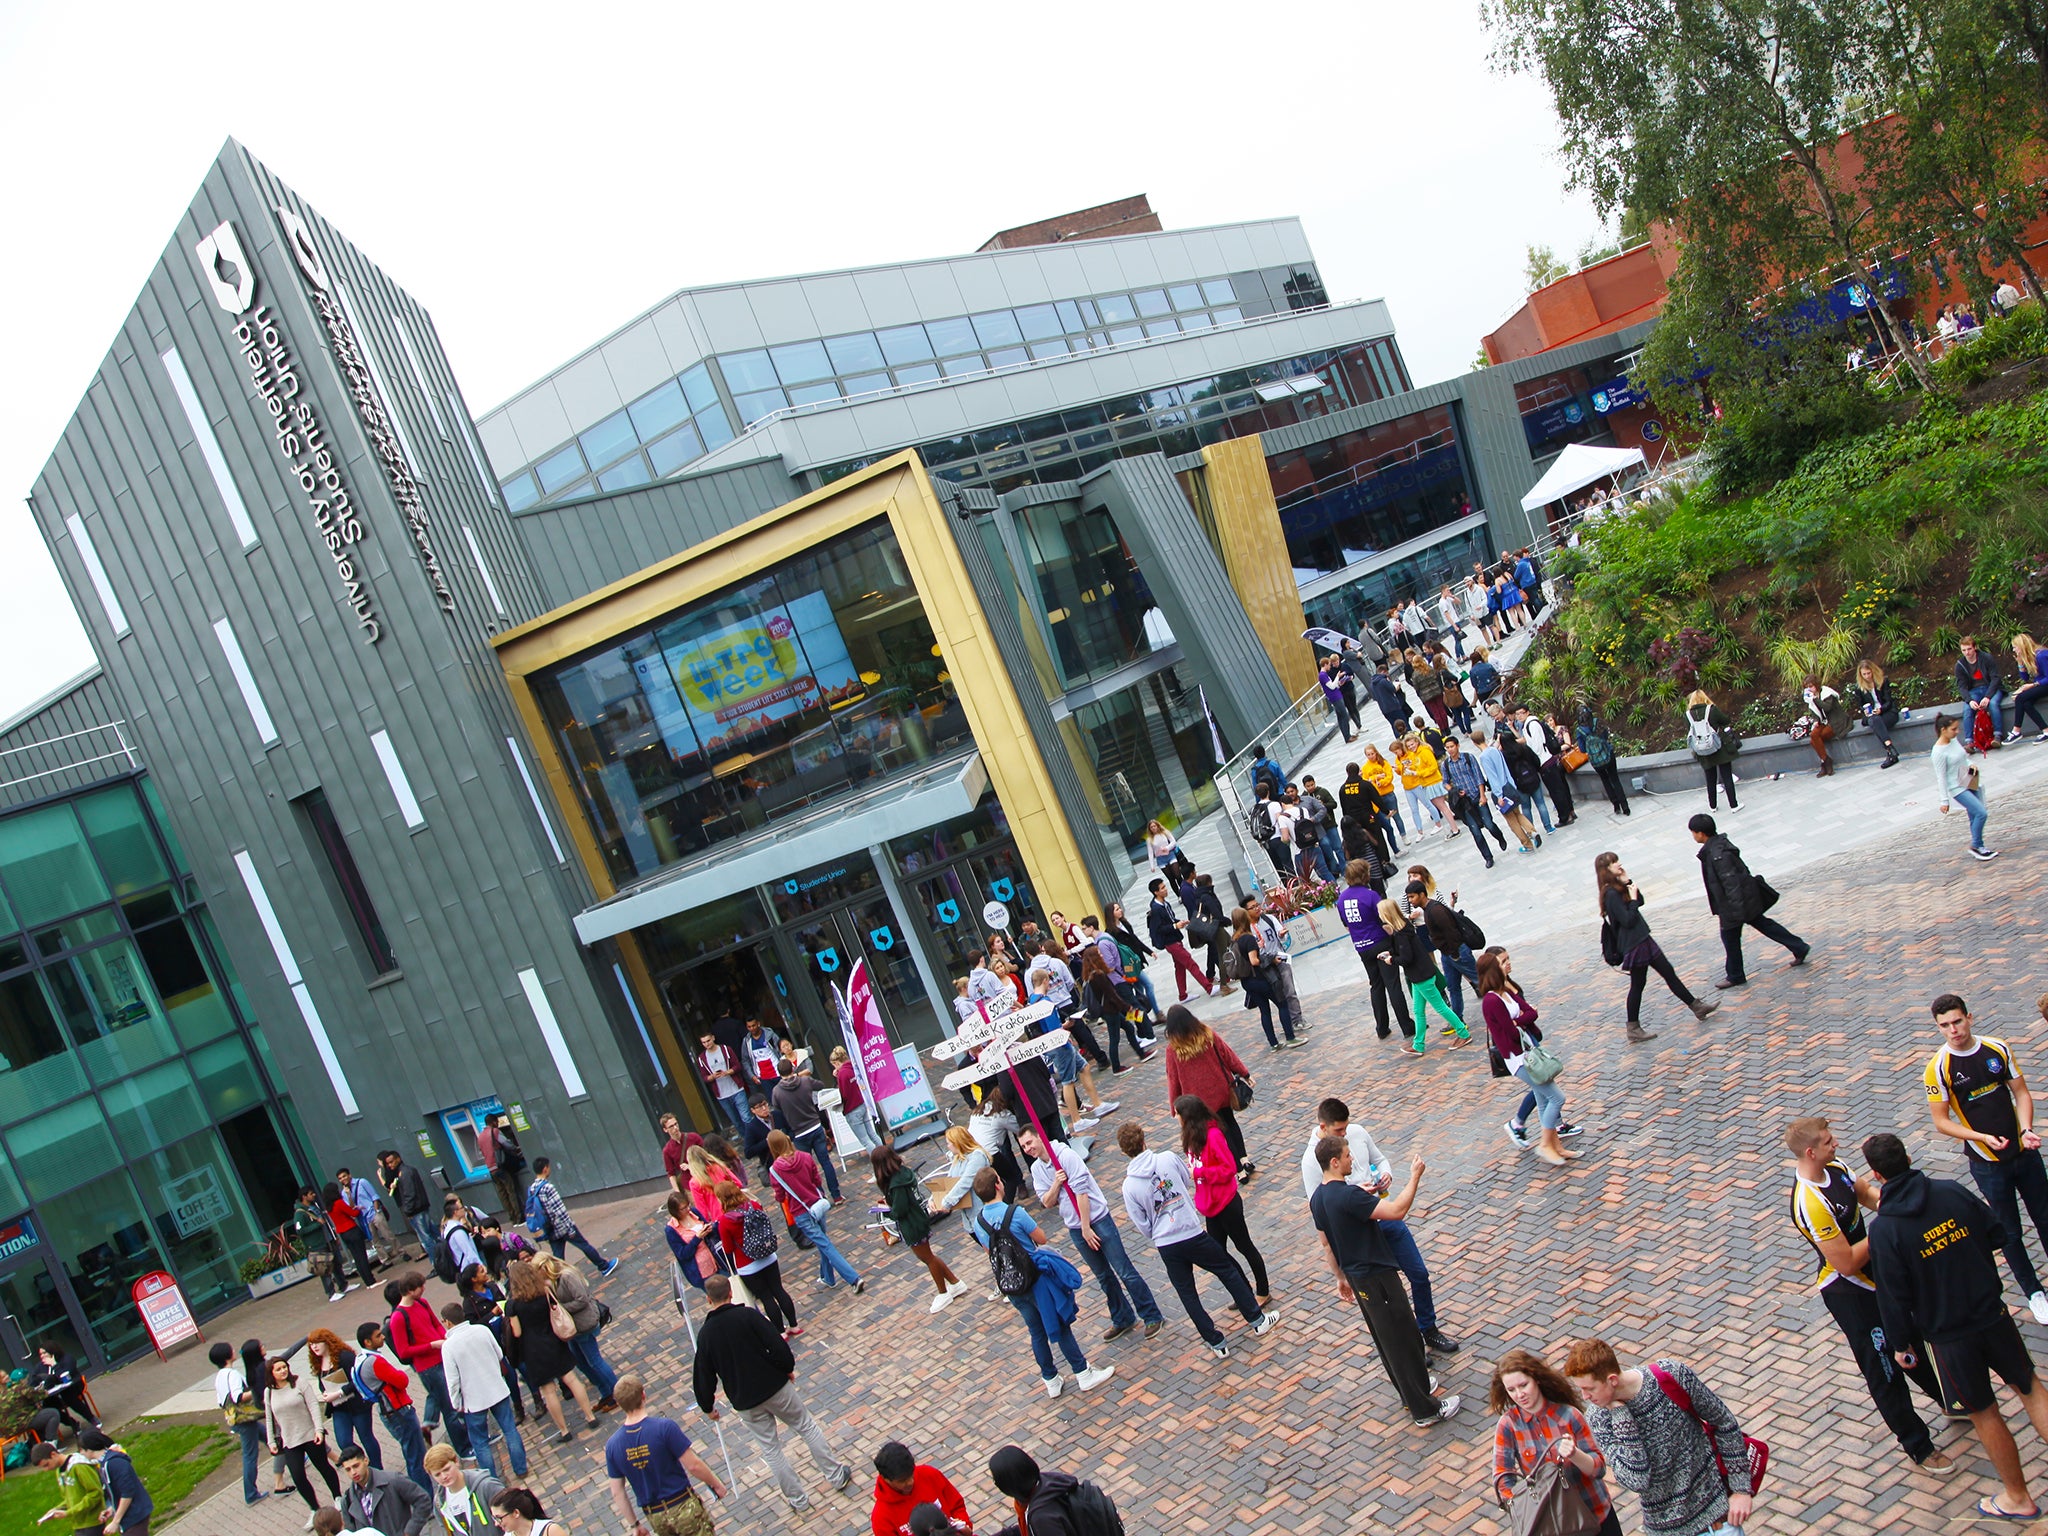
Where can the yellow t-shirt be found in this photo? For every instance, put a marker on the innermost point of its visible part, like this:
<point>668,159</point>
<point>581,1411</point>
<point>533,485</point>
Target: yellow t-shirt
<point>1418,768</point>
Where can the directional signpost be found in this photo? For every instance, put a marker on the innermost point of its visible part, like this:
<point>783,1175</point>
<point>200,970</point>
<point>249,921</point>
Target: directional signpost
<point>1000,1032</point>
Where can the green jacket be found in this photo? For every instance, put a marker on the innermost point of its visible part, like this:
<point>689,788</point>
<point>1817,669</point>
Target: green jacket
<point>84,1502</point>
<point>906,1205</point>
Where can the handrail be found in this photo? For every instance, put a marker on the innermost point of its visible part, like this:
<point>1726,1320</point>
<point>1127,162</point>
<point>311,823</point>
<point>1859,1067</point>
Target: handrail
<point>122,751</point>
<point>1290,739</point>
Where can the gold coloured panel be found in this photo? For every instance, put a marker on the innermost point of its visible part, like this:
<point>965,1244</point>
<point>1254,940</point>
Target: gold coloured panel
<point>1244,520</point>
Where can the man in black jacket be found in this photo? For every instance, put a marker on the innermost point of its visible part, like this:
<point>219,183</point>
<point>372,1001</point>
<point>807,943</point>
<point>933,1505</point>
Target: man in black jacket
<point>1931,1257</point>
<point>1047,1503</point>
<point>1163,928</point>
<point>1736,897</point>
<point>378,1501</point>
<point>796,1095</point>
<point>1977,682</point>
<point>408,1191</point>
<point>740,1350</point>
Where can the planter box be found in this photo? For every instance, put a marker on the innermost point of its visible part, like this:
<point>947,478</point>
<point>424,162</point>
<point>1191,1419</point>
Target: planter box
<point>279,1279</point>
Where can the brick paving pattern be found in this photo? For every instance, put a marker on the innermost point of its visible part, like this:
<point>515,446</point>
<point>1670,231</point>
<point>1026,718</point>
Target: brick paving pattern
<point>1670,1236</point>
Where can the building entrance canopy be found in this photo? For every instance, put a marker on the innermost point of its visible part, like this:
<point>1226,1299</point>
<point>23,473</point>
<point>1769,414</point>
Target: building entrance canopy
<point>1578,467</point>
<point>903,806</point>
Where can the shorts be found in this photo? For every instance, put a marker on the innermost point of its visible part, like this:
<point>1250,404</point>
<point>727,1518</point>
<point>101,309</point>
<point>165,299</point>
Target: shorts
<point>1065,1064</point>
<point>1965,1366</point>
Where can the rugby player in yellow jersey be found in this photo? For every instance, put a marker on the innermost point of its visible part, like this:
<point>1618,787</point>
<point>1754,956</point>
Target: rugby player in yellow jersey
<point>1978,1095</point>
<point>1828,1203</point>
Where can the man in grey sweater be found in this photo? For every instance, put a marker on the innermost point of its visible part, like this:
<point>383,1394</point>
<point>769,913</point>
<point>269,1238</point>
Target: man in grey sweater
<point>1669,1456</point>
<point>1159,1198</point>
<point>796,1099</point>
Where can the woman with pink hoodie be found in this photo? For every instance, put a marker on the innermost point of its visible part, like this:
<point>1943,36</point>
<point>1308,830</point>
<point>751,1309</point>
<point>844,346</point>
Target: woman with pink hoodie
<point>1216,1185</point>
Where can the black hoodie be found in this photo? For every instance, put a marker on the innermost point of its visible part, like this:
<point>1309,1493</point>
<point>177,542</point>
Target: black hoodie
<point>1933,1259</point>
<point>1045,1512</point>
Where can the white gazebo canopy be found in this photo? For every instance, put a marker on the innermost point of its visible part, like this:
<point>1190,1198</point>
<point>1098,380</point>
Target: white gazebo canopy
<point>1576,468</point>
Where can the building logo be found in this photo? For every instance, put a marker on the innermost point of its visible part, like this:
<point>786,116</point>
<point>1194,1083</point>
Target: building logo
<point>828,960</point>
<point>948,912</point>
<point>882,938</point>
<point>1002,889</point>
<point>218,252</point>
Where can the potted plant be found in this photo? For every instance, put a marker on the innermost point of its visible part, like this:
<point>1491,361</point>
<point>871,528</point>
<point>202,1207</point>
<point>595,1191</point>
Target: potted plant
<point>282,1263</point>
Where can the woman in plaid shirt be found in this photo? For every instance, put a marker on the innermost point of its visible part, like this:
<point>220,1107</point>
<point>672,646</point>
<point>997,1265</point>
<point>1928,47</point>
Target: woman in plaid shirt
<point>1540,1420</point>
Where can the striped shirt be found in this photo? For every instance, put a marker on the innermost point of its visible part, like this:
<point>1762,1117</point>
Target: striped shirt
<point>1826,1211</point>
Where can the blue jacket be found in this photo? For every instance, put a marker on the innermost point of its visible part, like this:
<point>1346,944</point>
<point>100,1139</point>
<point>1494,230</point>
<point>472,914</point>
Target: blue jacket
<point>1054,1290</point>
<point>1525,575</point>
<point>1266,768</point>
<point>1485,678</point>
<point>1387,694</point>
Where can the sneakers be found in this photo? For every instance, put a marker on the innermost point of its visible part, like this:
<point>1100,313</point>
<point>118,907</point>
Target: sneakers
<point>860,1287</point>
<point>2038,1305</point>
<point>841,1476</point>
<point>1053,1385</point>
<point>610,1266</point>
<point>1518,1134</point>
<point>1093,1377</point>
<point>1566,1128</point>
<point>1981,855</point>
<point>1936,1464</point>
<point>1447,1409</point>
<point>942,1301</point>
<point>1220,1350</point>
<point>1265,1322</point>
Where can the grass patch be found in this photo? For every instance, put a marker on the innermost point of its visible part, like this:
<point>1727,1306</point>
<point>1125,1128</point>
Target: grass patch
<point>171,1459</point>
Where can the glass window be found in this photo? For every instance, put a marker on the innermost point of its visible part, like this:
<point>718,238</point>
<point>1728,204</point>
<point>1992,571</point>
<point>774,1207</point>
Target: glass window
<point>63,1148</point>
<point>198,1008</point>
<point>105,1243</point>
<point>997,328</point>
<point>1185,296</point>
<point>1152,301</point>
<point>760,403</point>
<point>675,450</point>
<point>964,367</point>
<point>12,1196</point>
<point>520,492</point>
<point>811,394</point>
<point>1161,328</point>
<point>1127,333</point>
<point>154,1109</point>
<point>111,1010</point>
<point>45,865</point>
<point>1093,594</point>
<point>36,1067</point>
<point>1068,313</point>
<point>1045,349</point>
<point>800,362</point>
<point>1007,356</point>
<point>1228,316</point>
<point>348,884</point>
<point>1161,399</point>
<point>952,336</point>
<point>701,931</point>
<point>1217,290</point>
<point>78,932</point>
<point>989,439</point>
<point>658,410</point>
<point>698,388</point>
<point>1194,322</point>
<point>747,371</point>
<point>201,1215</point>
<point>227,1078</point>
<point>947,450</point>
<point>996,463</point>
<point>625,474</point>
<point>609,438</point>
<point>150,907</point>
<point>1349,497</point>
<point>905,344</point>
<point>866,384</point>
<point>1039,427</point>
<point>714,428</point>
<point>858,353</point>
<point>1115,307</point>
<point>921,373</point>
<point>1038,321</point>
<point>558,469</point>
<point>826,885</point>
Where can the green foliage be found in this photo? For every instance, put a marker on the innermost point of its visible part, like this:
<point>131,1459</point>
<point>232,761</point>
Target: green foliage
<point>171,1459</point>
<point>1899,653</point>
<point>1541,266</point>
<point>2018,337</point>
<point>1828,658</point>
<point>1945,640</point>
<point>1959,607</point>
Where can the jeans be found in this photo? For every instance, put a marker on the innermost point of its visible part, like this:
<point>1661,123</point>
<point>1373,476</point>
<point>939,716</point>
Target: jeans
<point>352,1427</point>
<point>1347,715</point>
<point>1453,967</point>
<point>1770,928</point>
<point>2026,706</point>
<point>1144,986</point>
<point>2003,1186</point>
<point>1549,1102</point>
<point>1990,699</point>
<point>1332,853</point>
<point>1390,811</point>
<point>832,1265</point>
<point>814,1141</point>
<point>1111,1264</point>
<point>734,1107</point>
<point>1972,802</point>
<point>1409,1257</point>
<point>861,1121</point>
<point>439,1411</point>
<point>479,1427</point>
<point>765,1419</point>
<point>1041,1343</point>
<point>1479,821</point>
<point>1202,1251</point>
<point>557,1244</point>
<point>404,1427</point>
<point>1536,798</point>
<point>591,1361</point>
<point>1114,1023</point>
<point>429,1235</point>
<point>251,1436</point>
<point>1421,800</point>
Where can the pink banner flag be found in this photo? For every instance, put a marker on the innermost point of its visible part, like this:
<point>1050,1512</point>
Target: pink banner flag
<point>877,1059</point>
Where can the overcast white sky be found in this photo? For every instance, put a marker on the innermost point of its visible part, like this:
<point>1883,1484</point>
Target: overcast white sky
<point>538,175</point>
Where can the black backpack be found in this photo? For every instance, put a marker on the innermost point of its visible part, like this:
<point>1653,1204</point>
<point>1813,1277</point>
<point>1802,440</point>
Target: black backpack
<point>1091,1512</point>
<point>1009,1257</point>
<point>1262,821</point>
<point>1469,931</point>
<point>444,1262</point>
<point>1610,943</point>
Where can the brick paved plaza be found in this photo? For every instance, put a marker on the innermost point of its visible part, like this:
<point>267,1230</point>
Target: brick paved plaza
<point>1671,1234</point>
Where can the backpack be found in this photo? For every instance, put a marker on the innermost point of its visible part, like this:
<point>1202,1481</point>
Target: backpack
<point>1133,963</point>
<point>757,1234</point>
<point>1091,1512</point>
<point>1262,822</point>
<point>367,1386</point>
<point>536,1214</point>
<point>1468,930</point>
<point>1231,964</point>
<point>444,1262</point>
<point>1700,734</point>
<point>1009,1256</point>
<point>1610,943</point>
<point>1982,737</point>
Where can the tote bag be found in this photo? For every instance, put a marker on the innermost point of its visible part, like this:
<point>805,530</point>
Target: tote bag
<point>1548,1503</point>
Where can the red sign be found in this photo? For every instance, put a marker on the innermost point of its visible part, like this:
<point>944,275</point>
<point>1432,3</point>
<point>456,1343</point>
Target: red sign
<point>164,1311</point>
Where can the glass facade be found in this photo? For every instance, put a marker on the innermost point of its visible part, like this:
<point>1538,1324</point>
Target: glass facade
<point>667,428</point>
<point>1349,607</point>
<point>1090,590</point>
<point>1346,499</point>
<point>1558,409</point>
<point>792,686</point>
<point>1142,752</point>
<point>137,1129</point>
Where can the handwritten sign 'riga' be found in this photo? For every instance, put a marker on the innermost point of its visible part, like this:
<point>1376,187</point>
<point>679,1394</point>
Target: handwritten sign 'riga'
<point>165,1312</point>
<point>1000,1058</point>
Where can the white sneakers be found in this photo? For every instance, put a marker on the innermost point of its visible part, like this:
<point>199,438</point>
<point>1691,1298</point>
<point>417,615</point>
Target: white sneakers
<point>1053,1385</point>
<point>943,1300</point>
<point>1093,1377</point>
<point>1447,1408</point>
<point>1266,1321</point>
<point>2038,1305</point>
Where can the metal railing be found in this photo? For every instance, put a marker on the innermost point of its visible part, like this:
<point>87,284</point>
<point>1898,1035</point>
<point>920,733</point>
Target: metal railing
<point>54,754</point>
<point>1291,740</point>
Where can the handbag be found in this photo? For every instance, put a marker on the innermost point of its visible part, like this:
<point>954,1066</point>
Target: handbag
<point>1574,759</point>
<point>1240,1091</point>
<point>321,1261</point>
<point>817,1210</point>
<point>1758,1454</point>
<point>1539,1062</point>
<point>1496,1062</point>
<point>1201,930</point>
<point>560,1322</point>
<point>1548,1503</point>
<point>1766,894</point>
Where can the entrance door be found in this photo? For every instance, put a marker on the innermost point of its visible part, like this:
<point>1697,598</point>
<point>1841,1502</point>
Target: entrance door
<point>743,983</point>
<point>37,1309</point>
<point>830,942</point>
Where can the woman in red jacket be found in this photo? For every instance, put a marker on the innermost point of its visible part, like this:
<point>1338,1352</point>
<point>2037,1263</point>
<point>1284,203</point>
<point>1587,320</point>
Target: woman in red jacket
<point>1511,1026</point>
<point>1216,1176</point>
<point>1198,1061</point>
<point>347,1223</point>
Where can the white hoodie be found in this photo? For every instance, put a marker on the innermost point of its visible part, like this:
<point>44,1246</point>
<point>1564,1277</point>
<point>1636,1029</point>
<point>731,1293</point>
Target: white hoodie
<point>1160,1198</point>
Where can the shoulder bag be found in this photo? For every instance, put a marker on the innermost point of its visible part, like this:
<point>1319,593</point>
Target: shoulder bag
<point>1548,1503</point>
<point>817,1210</point>
<point>1758,1453</point>
<point>1201,930</point>
<point>559,1320</point>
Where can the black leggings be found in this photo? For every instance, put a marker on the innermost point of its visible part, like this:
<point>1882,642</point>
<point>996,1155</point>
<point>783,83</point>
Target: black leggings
<point>1233,1136</point>
<point>1116,1021</point>
<point>1227,1226</point>
<point>1726,773</point>
<point>1007,1169</point>
<point>2026,706</point>
<point>1639,976</point>
<point>1610,780</point>
<point>358,1246</point>
<point>766,1285</point>
<point>296,1458</point>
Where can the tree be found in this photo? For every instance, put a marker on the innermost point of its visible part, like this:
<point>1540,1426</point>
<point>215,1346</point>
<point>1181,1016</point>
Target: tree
<point>1718,117</point>
<point>1480,359</point>
<point>1540,266</point>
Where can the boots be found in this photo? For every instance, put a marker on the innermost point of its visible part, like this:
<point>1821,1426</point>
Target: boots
<point>1700,1010</point>
<point>1637,1035</point>
<point>1891,756</point>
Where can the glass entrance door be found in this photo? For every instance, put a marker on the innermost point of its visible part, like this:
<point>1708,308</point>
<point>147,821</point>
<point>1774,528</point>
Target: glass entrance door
<point>37,1310</point>
<point>829,943</point>
<point>743,983</point>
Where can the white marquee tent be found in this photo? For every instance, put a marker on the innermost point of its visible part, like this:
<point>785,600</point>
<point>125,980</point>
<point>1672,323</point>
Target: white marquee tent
<point>1576,468</point>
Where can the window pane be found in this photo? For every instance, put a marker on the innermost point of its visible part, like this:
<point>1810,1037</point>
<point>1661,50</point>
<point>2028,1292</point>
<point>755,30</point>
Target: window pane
<point>106,1245</point>
<point>905,344</point>
<point>658,410</point>
<point>198,1008</point>
<point>997,328</point>
<point>1070,316</point>
<point>1125,333</point>
<point>559,469</point>
<point>1195,322</point>
<point>858,353</point>
<point>748,371</point>
<point>920,373</point>
<point>1152,301</point>
<point>991,438</point>
<point>963,367</point>
<point>800,362</point>
<point>36,1067</point>
<point>675,450</point>
<point>1161,328</point>
<point>1115,307</point>
<point>866,384</point>
<point>12,1196</point>
<point>325,833</point>
<point>758,404</point>
<point>698,388</point>
<point>625,474</point>
<point>227,1078</point>
<point>714,428</point>
<point>520,492</point>
<point>201,1215</point>
<point>45,865</point>
<point>609,438</point>
<point>1217,290</point>
<point>63,1148</point>
<point>952,336</point>
<point>111,1010</point>
<point>1229,316</point>
<point>155,1109</point>
<point>1038,321</point>
<point>1007,356</point>
<point>1161,399</point>
<point>811,394</point>
<point>1186,296</point>
<point>1044,349</point>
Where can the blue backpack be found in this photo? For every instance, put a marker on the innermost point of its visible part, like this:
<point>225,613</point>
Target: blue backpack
<point>536,1216</point>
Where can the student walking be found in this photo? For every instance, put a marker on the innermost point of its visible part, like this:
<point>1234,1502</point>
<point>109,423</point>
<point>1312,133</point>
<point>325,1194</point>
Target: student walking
<point>1956,783</point>
<point>1379,773</point>
<point>1598,744</point>
<point>795,1174</point>
<point>1039,1283</point>
<point>1200,1061</point>
<point>408,1191</point>
<point>1422,783</point>
<point>904,1485</point>
<point>1330,678</point>
<point>558,1227</point>
<point>375,1500</point>
<point>349,1229</point>
<point>1827,1210</point>
<point>1062,1181</point>
<point>1348,1218</point>
<point>1625,941</point>
<point>1665,1437</point>
<point>479,1389</point>
<point>651,1463</point>
<point>498,1146</point>
<point>1525,771</point>
<point>1713,744</point>
<point>244,1415</point>
<point>1358,907</point>
<point>1739,899</point>
<point>740,1351</point>
<point>1163,1203</point>
<point>331,1363</point>
<point>532,1347</point>
<point>1542,1419</point>
<point>1978,1095</point>
<point>853,1102</point>
<point>382,1380</point>
<point>78,1486</point>
<point>1444,926</point>
<point>295,1430</point>
<point>1216,1179</point>
<point>462,1496</point>
<point>1164,930</point>
<point>907,1208</point>
<point>1512,1031</point>
<point>748,1238</point>
<point>1410,951</point>
<point>569,1288</point>
<point>1490,755</point>
<point>1872,700</point>
<point>1469,797</point>
<point>1930,1258</point>
<point>795,1098</point>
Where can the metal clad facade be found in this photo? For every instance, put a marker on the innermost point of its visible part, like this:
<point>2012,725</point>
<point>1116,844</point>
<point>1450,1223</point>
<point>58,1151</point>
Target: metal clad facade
<point>68,741</point>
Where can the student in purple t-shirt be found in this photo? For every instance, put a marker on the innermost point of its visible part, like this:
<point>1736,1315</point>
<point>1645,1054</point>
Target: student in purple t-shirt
<point>1358,907</point>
